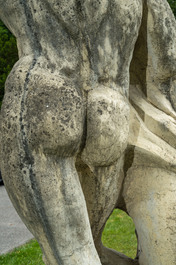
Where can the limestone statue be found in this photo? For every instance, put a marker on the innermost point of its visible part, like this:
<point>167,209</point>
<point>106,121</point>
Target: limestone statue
<point>88,124</point>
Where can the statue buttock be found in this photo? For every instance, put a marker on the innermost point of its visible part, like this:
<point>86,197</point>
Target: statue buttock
<point>88,125</point>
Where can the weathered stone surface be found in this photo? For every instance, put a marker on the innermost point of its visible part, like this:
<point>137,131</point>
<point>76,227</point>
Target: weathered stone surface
<point>150,163</point>
<point>107,127</point>
<point>88,124</point>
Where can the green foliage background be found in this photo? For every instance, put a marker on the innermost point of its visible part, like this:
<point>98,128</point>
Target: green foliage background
<point>172,4</point>
<point>9,53</point>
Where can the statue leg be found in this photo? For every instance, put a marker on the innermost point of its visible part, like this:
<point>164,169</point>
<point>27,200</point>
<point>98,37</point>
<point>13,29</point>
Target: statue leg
<point>42,123</point>
<point>100,166</point>
<point>102,187</point>
<point>150,199</point>
<point>64,217</point>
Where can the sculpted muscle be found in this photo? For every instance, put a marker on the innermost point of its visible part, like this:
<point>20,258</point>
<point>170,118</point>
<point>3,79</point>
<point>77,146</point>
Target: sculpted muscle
<point>107,127</point>
<point>69,90</point>
<point>55,112</point>
<point>68,156</point>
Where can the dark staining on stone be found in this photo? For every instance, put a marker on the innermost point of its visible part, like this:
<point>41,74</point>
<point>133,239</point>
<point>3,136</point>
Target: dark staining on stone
<point>28,162</point>
<point>103,79</point>
<point>129,156</point>
<point>104,105</point>
<point>164,126</point>
<point>64,120</point>
<point>35,43</point>
<point>100,111</point>
<point>79,8</point>
<point>165,89</point>
<point>67,72</point>
<point>67,26</point>
<point>21,167</point>
<point>139,63</point>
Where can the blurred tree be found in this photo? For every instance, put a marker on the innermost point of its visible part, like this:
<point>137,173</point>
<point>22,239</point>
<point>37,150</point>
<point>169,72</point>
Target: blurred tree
<point>8,55</point>
<point>172,4</point>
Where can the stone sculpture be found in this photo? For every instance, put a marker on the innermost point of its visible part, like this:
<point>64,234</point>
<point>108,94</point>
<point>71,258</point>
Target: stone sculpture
<point>92,100</point>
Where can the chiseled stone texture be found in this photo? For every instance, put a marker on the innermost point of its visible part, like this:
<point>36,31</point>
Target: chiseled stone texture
<point>150,164</point>
<point>88,124</point>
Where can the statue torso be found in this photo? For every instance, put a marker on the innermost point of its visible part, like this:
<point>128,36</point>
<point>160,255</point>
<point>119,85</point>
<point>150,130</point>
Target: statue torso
<point>95,38</point>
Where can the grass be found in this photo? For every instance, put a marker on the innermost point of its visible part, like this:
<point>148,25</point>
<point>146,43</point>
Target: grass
<point>28,254</point>
<point>118,234</point>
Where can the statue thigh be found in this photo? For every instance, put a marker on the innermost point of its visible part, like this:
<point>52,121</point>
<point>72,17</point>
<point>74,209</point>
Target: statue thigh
<point>40,174</point>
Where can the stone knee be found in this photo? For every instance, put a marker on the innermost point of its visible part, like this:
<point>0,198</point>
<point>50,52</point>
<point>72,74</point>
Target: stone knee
<point>150,199</point>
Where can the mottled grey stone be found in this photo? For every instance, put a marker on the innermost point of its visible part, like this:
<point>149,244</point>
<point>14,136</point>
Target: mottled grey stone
<point>88,124</point>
